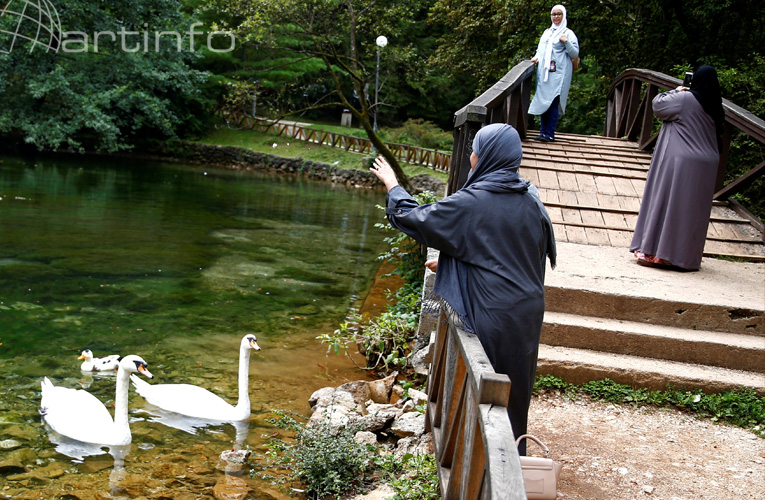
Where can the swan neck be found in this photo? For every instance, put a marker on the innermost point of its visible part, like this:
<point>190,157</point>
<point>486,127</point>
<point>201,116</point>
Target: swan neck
<point>244,376</point>
<point>121,401</point>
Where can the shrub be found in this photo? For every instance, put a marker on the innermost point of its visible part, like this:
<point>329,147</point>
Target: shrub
<point>325,460</point>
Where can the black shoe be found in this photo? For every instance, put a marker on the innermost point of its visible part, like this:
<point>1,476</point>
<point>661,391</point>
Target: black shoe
<point>545,138</point>
<point>540,137</point>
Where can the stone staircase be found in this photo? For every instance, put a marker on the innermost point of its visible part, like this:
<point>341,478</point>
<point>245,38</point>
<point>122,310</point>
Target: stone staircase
<point>643,332</point>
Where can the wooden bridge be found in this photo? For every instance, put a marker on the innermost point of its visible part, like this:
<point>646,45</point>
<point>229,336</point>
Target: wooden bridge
<point>591,187</point>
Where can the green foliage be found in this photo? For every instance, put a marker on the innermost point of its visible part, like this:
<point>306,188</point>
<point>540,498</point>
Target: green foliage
<point>414,477</point>
<point>106,100</point>
<point>326,460</point>
<point>742,408</point>
<point>420,132</point>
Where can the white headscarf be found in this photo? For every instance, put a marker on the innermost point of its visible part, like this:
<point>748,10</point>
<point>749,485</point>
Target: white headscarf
<point>556,31</point>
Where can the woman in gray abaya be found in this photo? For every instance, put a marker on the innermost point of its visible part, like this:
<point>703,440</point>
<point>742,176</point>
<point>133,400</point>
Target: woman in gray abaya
<point>494,236</point>
<point>674,213</point>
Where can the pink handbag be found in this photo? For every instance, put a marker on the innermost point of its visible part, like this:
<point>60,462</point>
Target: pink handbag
<point>540,474</point>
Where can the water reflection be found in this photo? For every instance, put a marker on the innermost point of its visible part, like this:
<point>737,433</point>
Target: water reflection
<point>175,264</point>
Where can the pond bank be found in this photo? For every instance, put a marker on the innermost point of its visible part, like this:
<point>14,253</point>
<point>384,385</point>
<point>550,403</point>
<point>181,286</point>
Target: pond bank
<point>237,158</point>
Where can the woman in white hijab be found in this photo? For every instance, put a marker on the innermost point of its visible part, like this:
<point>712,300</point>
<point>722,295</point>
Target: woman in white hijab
<point>557,47</point>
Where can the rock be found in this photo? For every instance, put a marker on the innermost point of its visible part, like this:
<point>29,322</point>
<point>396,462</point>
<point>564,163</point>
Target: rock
<point>365,437</point>
<point>231,488</point>
<point>409,424</point>
<point>337,415</point>
<point>16,461</point>
<point>9,444</point>
<point>42,474</point>
<point>414,445</point>
<point>648,489</point>
<point>382,492</point>
<point>418,397</point>
<point>359,390</point>
<point>234,461</point>
<point>381,389</point>
<point>323,394</point>
<point>420,361</point>
<point>22,432</point>
<point>379,417</point>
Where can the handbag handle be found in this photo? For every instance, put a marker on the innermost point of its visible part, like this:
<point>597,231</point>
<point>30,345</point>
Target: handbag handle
<point>545,449</point>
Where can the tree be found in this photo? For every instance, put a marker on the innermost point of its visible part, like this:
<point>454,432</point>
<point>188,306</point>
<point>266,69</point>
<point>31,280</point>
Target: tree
<point>339,33</point>
<point>102,92</point>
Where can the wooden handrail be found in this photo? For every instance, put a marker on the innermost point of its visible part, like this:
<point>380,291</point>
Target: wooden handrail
<point>432,158</point>
<point>507,101</point>
<point>467,414</point>
<point>629,113</point>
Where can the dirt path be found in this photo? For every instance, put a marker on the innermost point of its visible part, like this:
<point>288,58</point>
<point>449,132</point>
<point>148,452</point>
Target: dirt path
<point>622,453</point>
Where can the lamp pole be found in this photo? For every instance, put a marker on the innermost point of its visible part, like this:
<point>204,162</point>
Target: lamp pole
<point>381,42</point>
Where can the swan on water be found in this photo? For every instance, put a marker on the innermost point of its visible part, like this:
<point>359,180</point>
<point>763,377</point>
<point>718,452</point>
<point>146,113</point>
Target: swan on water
<point>91,364</point>
<point>195,401</point>
<point>79,415</point>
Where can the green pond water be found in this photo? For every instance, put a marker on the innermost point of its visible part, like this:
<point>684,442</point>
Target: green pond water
<point>174,263</point>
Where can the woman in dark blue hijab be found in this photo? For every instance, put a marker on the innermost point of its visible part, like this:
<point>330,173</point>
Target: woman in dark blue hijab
<point>494,235</point>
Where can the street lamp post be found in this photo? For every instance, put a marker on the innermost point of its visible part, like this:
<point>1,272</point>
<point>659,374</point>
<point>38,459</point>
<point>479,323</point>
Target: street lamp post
<point>381,42</point>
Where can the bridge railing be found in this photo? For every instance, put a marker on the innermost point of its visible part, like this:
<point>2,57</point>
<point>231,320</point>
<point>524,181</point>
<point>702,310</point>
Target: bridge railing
<point>507,101</point>
<point>415,155</point>
<point>629,114</point>
<point>467,414</point>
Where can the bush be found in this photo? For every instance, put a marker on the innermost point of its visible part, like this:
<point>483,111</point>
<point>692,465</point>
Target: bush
<point>325,460</point>
<point>421,133</point>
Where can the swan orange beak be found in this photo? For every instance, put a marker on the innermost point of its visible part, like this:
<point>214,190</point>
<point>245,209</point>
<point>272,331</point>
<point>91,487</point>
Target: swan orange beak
<point>144,371</point>
<point>254,344</point>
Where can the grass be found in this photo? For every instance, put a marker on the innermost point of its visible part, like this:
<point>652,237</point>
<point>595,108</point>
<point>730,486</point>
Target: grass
<point>293,148</point>
<point>742,408</point>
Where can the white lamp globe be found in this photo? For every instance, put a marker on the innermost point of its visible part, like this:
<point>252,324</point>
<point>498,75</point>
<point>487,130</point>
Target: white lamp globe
<point>381,41</point>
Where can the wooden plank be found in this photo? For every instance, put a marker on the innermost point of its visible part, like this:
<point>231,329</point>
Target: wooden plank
<point>592,218</point>
<point>568,198</point>
<point>571,215</point>
<point>567,181</point>
<point>505,479</point>
<point>560,232</point>
<point>619,238</point>
<point>548,179</point>
<point>629,203</point>
<point>576,234</point>
<point>624,187</point>
<point>606,185</point>
<point>586,183</point>
<point>597,236</point>
<point>615,220</point>
<point>587,199</point>
<point>608,201</point>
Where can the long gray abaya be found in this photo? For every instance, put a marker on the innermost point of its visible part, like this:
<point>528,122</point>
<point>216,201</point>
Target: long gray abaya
<point>674,213</point>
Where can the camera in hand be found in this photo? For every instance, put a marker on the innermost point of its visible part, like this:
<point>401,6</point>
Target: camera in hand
<point>687,79</point>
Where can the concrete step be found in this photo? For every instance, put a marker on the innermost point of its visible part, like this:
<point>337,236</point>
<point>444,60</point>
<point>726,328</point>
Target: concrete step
<point>666,311</point>
<point>725,350</point>
<point>579,366</point>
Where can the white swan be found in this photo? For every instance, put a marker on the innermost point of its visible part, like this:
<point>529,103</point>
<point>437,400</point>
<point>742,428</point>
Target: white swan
<point>91,364</point>
<point>79,415</point>
<point>195,401</point>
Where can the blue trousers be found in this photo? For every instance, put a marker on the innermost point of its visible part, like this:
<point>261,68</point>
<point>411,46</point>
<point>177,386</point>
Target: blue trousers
<point>549,119</point>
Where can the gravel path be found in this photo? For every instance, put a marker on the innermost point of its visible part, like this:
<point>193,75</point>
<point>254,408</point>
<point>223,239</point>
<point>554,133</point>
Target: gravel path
<point>623,453</point>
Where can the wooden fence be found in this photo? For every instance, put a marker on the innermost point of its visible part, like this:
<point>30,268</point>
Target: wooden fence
<point>467,414</point>
<point>629,114</point>
<point>432,158</point>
